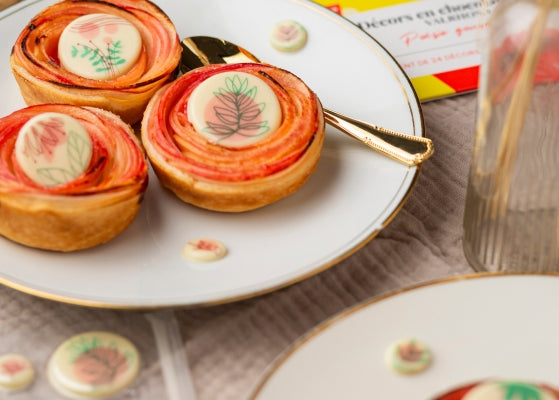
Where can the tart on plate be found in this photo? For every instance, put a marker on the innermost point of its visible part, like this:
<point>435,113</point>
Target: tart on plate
<point>234,137</point>
<point>112,54</point>
<point>70,177</point>
<point>500,389</point>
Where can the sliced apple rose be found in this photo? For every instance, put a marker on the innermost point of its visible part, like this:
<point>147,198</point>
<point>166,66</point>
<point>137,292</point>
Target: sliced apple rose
<point>132,40</point>
<point>501,389</point>
<point>234,137</point>
<point>70,177</point>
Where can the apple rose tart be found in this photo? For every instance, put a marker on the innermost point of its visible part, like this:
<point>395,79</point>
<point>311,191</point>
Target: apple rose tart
<point>501,390</point>
<point>112,54</point>
<point>70,177</point>
<point>234,137</point>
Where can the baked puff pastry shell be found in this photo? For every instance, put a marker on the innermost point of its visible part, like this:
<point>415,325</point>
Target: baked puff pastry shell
<point>42,80</point>
<point>211,176</point>
<point>82,213</point>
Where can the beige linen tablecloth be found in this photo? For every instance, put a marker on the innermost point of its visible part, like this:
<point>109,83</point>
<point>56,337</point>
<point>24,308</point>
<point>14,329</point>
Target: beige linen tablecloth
<point>229,346</point>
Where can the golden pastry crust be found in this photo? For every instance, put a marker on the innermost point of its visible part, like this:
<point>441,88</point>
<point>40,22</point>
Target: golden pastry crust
<point>85,212</point>
<point>218,178</point>
<point>60,223</point>
<point>42,80</point>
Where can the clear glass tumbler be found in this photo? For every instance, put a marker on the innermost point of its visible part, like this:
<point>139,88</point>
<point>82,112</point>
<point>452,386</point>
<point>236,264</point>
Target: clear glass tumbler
<point>511,217</point>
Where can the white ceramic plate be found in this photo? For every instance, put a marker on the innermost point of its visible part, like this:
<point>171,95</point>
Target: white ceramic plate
<point>354,193</point>
<point>488,326</point>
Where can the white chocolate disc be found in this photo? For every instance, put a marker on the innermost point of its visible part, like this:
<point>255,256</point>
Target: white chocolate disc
<point>93,364</point>
<point>53,149</point>
<point>408,356</point>
<point>497,390</point>
<point>288,36</point>
<point>16,372</point>
<point>234,109</point>
<point>99,46</point>
<point>204,250</point>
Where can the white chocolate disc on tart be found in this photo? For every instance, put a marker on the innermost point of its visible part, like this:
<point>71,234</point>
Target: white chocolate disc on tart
<point>68,210</point>
<point>53,149</point>
<point>234,109</point>
<point>135,52</point>
<point>204,172</point>
<point>99,46</point>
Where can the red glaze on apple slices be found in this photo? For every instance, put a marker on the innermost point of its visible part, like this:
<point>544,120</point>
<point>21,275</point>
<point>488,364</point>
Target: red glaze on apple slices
<point>89,210</point>
<point>42,80</point>
<point>501,390</point>
<point>211,175</point>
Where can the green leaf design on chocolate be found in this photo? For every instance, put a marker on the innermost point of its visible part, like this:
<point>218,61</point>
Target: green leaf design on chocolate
<point>105,62</point>
<point>521,391</point>
<point>238,113</point>
<point>82,345</point>
<point>113,57</point>
<point>54,176</point>
<point>79,150</point>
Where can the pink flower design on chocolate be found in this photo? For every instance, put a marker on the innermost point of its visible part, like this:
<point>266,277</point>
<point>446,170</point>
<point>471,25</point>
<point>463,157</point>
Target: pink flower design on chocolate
<point>100,365</point>
<point>101,48</point>
<point>410,352</point>
<point>44,140</point>
<point>89,30</point>
<point>12,367</point>
<point>287,33</point>
<point>111,29</point>
<point>207,245</point>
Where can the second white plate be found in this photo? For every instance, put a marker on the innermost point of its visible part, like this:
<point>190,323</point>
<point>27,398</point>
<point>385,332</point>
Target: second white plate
<point>479,327</point>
